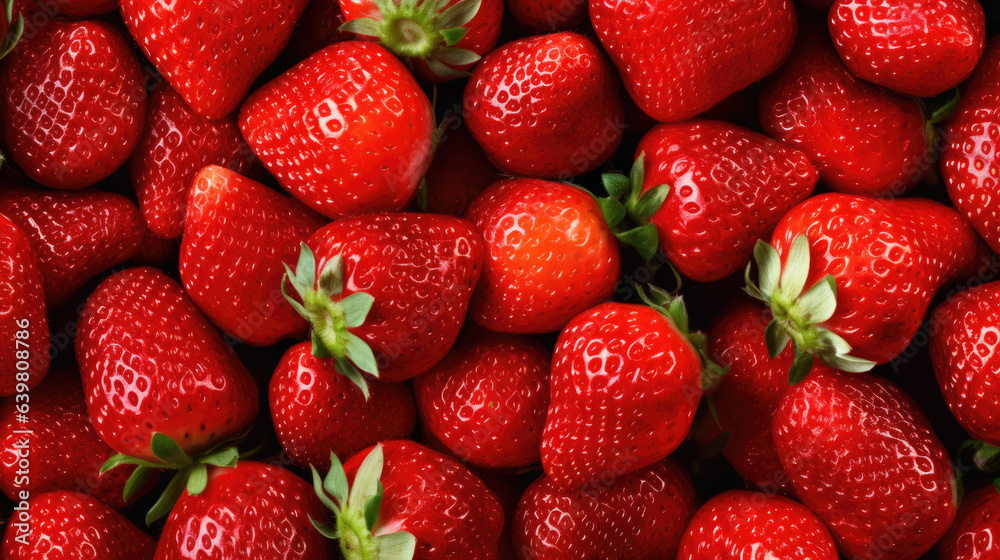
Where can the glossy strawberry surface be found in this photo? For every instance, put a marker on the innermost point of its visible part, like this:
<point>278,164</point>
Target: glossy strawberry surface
<point>546,106</point>
<point>549,255</point>
<point>862,455</point>
<point>24,327</point>
<point>458,173</point>
<point>975,535</point>
<point>151,363</point>
<point>73,103</point>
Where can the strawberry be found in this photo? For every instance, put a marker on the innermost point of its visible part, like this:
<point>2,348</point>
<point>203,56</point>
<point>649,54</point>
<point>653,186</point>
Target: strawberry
<point>228,217</point>
<point>70,8</point>
<point>678,59</point>
<point>211,52</point>
<point>486,401</point>
<point>24,327</point>
<point>550,255</point>
<point>969,162</point>
<point>850,278</point>
<point>176,144</point>
<point>917,47</point>
<point>317,411</point>
<point>973,535</point>
<point>318,27</point>
<point>72,115</point>
<point>458,173</point>
<point>250,512</point>
<point>864,140</point>
<point>546,106</point>
<point>440,39</point>
<point>156,251</point>
<point>74,235</point>
<point>639,515</point>
<point>67,526</point>
<point>546,16</point>
<point>739,524</point>
<point>862,455</point>
<point>402,500</point>
<point>347,131</point>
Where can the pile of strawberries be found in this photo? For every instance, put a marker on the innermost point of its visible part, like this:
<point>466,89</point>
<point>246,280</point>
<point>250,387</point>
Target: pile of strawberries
<point>500,279</point>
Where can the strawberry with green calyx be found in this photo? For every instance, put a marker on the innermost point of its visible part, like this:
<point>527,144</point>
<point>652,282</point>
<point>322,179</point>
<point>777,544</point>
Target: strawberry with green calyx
<point>636,205</point>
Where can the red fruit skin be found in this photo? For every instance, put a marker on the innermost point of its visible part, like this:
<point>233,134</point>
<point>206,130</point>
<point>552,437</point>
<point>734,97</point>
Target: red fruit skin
<point>459,172</point>
<point>450,511</point>
<point>318,27</point>
<point>75,235</point>
<point>625,386</point>
<point>550,255</point>
<point>965,349</point>
<point>73,103</point>
<point>969,162</point>
<point>865,140</point>
<point>547,16</point>
<point>917,47</point>
<point>211,52</point>
<point>974,534</point>
<point>888,258</point>
<point>738,524</point>
<point>546,106</point>
<point>640,515</point>
<point>229,216</point>
<point>176,144</point>
<point>24,326</point>
<point>317,411</point>
<point>48,9</point>
<point>728,188</point>
<point>421,270</point>
<point>347,131</point>
<point>69,526</point>
<point>249,512</point>
<point>863,457</point>
<point>678,59</point>
<point>156,251</point>
<point>152,363</point>
<point>486,400</point>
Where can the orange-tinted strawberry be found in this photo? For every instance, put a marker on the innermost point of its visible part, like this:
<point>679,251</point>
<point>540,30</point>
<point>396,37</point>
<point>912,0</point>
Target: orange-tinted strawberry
<point>24,327</point>
<point>975,535</point>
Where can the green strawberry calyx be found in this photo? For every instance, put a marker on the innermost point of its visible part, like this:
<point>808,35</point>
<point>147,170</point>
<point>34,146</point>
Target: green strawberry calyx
<point>14,33</point>
<point>332,317</point>
<point>798,311</point>
<point>356,509</point>
<point>627,200</point>
<point>423,29</point>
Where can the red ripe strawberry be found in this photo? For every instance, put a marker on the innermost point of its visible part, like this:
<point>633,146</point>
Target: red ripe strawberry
<point>965,348</point>
<point>68,526</point>
<point>550,255</point>
<point>75,235</point>
<point>250,512</point>
<point>678,59</point>
<point>155,251</point>
<point>737,524</point>
<point>73,103</point>
<point>24,327</point>
<point>864,139</point>
<point>862,455</point>
<point>238,226</point>
<point>402,500</point>
<point>850,278</point>
<point>318,27</point>
<point>317,411</point>
<point>546,16</point>
<point>211,52</point>
<point>440,39</point>
<point>969,162</point>
<point>347,131</point>
<point>486,401</point>
<point>176,144</point>
<point>639,515</point>
<point>458,173</point>
<point>973,536</point>
<point>546,106</point>
<point>917,47</point>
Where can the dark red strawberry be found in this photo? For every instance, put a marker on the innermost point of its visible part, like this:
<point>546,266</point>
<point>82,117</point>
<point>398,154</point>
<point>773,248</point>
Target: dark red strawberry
<point>862,455</point>
<point>176,144</point>
<point>75,235</point>
<point>546,16</point>
<point>45,10</point>
<point>487,400</point>
<point>458,173</point>
<point>736,525</point>
<point>156,251</point>
<point>318,27</point>
<point>638,515</point>
<point>678,59</point>
<point>546,106</point>
<point>917,47</point>
<point>317,411</point>
<point>24,327</point>
<point>250,512</point>
<point>347,131</point>
<point>236,226</point>
<point>73,103</point>
<point>211,52</point>
<point>550,255</point>
<point>974,535</point>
